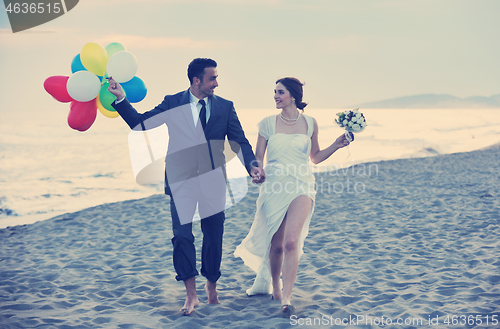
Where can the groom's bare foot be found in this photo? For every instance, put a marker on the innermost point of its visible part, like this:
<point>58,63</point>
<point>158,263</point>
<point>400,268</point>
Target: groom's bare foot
<point>191,297</point>
<point>211,289</point>
<point>189,305</point>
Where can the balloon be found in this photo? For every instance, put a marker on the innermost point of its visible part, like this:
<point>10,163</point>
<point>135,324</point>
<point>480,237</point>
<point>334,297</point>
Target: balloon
<point>122,66</point>
<point>135,89</point>
<point>105,112</point>
<point>83,86</point>
<point>106,98</point>
<point>82,115</point>
<point>56,87</point>
<point>94,58</point>
<point>76,64</point>
<point>113,48</point>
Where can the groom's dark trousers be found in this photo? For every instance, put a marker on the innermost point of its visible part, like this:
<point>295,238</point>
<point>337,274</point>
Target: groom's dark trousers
<point>195,173</point>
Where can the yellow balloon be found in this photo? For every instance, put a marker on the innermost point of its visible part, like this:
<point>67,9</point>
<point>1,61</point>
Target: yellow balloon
<point>94,58</point>
<point>108,113</point>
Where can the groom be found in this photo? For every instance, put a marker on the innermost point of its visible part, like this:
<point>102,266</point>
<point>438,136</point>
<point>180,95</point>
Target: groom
<point>198,123</point>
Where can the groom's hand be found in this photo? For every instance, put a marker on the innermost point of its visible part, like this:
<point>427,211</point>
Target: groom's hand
<point>258,175</point>
<point>116,89</point>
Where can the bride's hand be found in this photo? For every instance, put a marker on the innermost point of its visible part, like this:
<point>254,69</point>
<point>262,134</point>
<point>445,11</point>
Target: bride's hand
<point>341,141</point>
<point>258,175</point>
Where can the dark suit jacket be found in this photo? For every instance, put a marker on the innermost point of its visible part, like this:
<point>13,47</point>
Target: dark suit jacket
<point>192,151</point>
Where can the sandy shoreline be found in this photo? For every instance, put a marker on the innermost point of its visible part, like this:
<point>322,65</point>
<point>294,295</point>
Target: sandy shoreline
<point>401,239</point>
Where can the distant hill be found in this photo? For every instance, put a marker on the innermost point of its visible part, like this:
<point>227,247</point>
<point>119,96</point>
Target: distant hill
<point>433,101</point>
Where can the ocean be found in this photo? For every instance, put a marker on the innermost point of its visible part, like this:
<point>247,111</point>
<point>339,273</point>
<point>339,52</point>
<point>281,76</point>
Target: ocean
<point>47,169</point>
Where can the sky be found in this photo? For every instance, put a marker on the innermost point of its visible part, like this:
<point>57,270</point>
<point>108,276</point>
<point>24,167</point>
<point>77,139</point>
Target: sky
<point>346,52</point>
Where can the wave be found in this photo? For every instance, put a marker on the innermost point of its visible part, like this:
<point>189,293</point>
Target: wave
<point>4,210</point>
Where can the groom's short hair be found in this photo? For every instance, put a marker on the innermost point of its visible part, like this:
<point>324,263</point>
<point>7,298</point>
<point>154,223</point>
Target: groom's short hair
<point>197,68</point>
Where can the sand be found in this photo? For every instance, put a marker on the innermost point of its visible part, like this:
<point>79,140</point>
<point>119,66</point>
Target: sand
<point>411,240</point>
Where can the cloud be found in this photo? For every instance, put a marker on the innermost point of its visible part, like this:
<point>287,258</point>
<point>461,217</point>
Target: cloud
<point>142,42</point>
<point>77,38</point>
<point>33,38</point>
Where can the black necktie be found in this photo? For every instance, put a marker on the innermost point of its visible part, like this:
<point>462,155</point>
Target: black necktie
<point>203,113</point>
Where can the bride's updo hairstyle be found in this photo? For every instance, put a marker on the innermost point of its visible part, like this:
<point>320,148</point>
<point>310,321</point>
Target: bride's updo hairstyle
<point>294,86</point>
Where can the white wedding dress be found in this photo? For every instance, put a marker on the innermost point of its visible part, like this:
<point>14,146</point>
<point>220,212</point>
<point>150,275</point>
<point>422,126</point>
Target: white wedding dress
<point>288,176</point>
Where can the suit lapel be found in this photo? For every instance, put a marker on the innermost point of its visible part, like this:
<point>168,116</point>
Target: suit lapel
<point>185,98</point>
<point>185,102</point>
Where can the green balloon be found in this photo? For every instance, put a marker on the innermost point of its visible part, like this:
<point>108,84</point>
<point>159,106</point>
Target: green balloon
<point>113,48</point>
<point>106,97</point>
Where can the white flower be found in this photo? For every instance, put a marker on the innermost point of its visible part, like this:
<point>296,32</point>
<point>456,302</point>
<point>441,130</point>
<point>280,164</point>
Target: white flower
<point>351,120</point>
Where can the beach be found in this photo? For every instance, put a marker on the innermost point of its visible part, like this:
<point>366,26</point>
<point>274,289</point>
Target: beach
<point>405,243</point>
<point>48,169</point>
<point>405,230</point>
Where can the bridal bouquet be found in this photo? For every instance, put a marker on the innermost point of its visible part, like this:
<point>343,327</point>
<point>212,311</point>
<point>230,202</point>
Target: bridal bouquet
<point>353,121</point>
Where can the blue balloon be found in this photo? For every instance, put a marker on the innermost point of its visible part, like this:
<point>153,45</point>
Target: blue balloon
<point>135,89</point>
<point>76,64</point>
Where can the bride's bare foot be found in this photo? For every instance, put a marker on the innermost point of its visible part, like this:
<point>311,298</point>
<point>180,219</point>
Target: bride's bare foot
<point>276,294</point>
<point>189,305</point>
<point>211,289</point>
<point>287,310</point>
<point>276,289</point>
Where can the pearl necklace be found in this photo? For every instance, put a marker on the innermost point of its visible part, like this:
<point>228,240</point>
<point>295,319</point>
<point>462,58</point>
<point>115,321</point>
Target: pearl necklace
<point>290,121</point>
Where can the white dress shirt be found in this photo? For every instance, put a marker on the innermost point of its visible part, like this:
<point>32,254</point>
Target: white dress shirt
<point>196,107</point>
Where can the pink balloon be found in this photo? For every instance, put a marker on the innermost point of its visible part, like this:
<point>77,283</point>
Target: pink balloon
<point>56,87</point>
<point>82,114</point>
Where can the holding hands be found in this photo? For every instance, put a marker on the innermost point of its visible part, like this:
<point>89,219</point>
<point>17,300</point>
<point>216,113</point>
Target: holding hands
<point>258,175</point>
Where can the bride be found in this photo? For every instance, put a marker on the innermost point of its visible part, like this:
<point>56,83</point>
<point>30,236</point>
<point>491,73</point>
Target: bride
<point>286,201</point>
